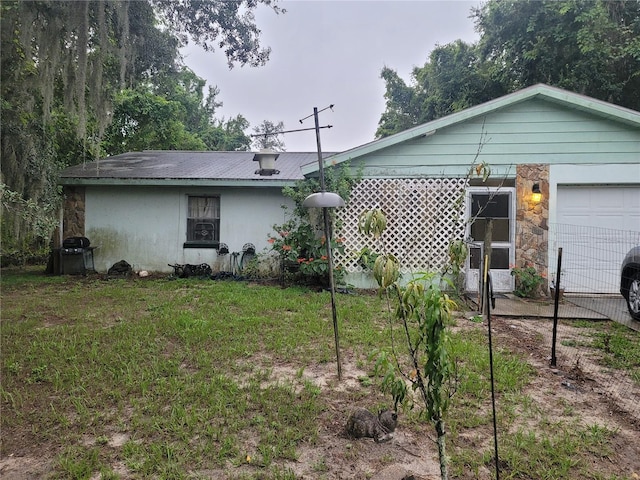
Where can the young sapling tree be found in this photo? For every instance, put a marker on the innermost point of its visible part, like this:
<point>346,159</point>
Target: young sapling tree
<point>423,312</point>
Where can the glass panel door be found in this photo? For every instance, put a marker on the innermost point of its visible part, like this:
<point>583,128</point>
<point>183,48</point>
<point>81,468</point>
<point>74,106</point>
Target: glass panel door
<point>497,204</point>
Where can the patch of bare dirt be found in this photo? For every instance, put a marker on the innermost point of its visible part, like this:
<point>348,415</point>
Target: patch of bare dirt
<point>582,378</point>
<point>578,385</point>
<point>24,468</point>
<point>336,456</point>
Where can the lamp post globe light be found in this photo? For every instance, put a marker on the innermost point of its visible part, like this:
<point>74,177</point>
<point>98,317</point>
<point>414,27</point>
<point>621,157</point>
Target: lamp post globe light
<point>323,200</point>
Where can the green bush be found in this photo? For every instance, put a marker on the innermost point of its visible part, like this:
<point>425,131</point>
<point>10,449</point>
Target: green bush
<point>528,281</point>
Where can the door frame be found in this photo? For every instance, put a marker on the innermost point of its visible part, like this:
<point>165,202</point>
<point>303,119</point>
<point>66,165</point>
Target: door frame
<point>502,280</point>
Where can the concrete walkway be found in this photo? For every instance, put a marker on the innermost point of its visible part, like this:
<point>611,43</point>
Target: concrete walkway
<point>601,307</point>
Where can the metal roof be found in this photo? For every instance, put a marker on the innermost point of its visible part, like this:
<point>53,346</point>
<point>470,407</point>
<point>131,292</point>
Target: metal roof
<point>174,167</point>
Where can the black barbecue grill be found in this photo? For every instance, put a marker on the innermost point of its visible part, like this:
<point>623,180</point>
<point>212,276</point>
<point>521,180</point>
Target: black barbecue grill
<point>76,256</point>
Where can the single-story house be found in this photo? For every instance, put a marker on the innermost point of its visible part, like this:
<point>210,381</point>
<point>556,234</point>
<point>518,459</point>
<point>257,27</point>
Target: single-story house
<point>436,182</point>
<point>156,208</point>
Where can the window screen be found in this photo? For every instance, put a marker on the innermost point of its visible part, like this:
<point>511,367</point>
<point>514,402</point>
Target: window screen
<point>499,258</point>
<point>494,206</point>
<point>203,220</point>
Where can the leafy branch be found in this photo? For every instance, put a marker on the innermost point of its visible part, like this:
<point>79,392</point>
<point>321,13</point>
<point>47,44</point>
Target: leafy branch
<point>39,217</point>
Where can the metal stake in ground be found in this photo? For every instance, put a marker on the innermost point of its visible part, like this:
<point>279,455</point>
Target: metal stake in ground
<point>556,302</point>
<point>487,299</point>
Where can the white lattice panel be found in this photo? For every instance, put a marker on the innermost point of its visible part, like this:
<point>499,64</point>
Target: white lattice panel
<point>423,216</point>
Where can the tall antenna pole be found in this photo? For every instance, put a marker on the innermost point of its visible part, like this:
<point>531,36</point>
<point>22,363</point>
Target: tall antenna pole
<point>328,237</point>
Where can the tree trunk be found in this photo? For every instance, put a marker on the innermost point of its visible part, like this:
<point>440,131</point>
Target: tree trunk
<point>442,456</point>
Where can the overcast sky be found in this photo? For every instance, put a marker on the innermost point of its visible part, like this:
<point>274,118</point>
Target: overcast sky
<point>331,52</point>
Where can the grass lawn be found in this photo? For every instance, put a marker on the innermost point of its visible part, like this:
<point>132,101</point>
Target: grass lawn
<point>157,378</point>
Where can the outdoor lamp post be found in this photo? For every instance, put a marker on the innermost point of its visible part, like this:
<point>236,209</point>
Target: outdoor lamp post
<point>322,199</point>
<point>326,200</point>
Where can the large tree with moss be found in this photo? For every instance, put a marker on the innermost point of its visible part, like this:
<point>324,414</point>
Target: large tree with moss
<point>69,68</point>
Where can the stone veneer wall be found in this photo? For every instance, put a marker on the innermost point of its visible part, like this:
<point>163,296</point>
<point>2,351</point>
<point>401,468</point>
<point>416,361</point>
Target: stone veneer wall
<point>73,212</point>
<point>532,220</point>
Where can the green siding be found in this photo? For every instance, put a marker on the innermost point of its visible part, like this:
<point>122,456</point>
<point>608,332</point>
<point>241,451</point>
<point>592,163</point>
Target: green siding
<point>533,131</point>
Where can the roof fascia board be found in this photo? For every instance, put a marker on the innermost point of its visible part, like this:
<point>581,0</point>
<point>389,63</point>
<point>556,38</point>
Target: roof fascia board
<point>570,99</point>
<point>588,104</point>
<point>175,182</point>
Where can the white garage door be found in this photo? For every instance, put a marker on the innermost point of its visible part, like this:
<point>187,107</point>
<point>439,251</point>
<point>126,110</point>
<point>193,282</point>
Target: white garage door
<point>595,228</point>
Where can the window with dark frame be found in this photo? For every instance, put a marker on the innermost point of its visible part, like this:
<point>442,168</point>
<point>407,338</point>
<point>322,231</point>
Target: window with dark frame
<point>203,221</point>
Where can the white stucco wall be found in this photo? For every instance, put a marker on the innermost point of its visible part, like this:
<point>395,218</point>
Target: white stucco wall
<point>146,226</point>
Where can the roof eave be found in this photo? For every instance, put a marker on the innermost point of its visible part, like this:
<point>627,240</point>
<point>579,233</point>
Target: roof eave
<point>176,182</point>
<point>592,105</point>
